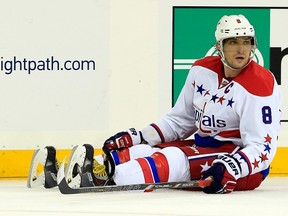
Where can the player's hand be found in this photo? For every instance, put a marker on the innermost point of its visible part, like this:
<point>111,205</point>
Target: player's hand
<point>123,139</point>
<point>224,171</point>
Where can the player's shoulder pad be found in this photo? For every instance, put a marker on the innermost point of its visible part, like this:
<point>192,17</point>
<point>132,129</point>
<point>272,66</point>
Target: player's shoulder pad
<point>212,63</point>
<point>256,79</point>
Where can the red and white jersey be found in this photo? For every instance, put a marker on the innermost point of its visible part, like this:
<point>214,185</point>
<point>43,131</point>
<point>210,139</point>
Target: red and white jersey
<point>244,110</point>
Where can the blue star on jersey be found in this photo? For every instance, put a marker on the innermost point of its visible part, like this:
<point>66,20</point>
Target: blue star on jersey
<point>267,148</point>
<point>200,89</point>
<point>230,102</point>
<point>214,98</point>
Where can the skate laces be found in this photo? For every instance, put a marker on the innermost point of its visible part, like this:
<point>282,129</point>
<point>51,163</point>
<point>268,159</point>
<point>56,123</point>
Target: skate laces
<point>58,163</point>
<point>99,169</point>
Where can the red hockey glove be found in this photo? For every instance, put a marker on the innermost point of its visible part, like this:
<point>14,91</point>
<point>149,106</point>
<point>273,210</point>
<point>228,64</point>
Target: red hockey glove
<point>225,170</point>
<point>124,139</point>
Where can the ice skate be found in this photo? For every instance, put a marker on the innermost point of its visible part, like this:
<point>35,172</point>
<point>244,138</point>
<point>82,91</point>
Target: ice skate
<point>79,171</point>
<point>43,168</point>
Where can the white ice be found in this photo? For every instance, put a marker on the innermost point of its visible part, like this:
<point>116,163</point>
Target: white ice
<point>271,198</point>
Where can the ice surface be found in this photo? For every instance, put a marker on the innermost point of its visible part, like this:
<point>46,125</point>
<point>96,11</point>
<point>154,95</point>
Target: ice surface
<point>271,198</point>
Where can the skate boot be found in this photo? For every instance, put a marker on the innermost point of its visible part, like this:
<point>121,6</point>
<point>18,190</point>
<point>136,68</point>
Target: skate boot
<point>79,171</point>
<point>87,177</point>
<point>43,168</point>
<point>50,168</point>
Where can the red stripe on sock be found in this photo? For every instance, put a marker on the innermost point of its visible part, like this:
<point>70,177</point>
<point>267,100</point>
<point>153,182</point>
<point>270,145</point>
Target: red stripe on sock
<point>162,166</point>
<point>146,170</point>
<point>124,155</point>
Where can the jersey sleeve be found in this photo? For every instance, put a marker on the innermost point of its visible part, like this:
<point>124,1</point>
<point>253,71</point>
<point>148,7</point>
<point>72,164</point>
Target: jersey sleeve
<point>179,123</point>
<point>259,127</point>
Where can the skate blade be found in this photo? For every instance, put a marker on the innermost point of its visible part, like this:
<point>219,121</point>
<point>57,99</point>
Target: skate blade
<point>36,175</point>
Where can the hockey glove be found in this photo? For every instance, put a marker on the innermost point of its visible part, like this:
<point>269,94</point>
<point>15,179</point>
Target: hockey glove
<point>124,139</point>
<point>225,171</point>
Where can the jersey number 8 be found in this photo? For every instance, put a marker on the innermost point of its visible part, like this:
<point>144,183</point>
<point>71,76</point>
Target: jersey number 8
<point>266,115</point>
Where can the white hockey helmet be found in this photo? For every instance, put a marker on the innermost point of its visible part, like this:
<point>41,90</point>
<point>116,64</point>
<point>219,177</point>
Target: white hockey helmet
<point>234,26</point>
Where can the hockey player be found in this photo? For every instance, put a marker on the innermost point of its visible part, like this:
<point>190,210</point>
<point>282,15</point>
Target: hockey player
<point>229,103</point>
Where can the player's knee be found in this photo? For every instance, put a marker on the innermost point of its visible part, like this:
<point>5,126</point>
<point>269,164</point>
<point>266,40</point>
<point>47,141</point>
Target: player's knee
<point>178,164</point>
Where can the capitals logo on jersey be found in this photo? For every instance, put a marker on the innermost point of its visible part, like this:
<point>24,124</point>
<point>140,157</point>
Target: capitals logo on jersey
<point>209,121</point>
